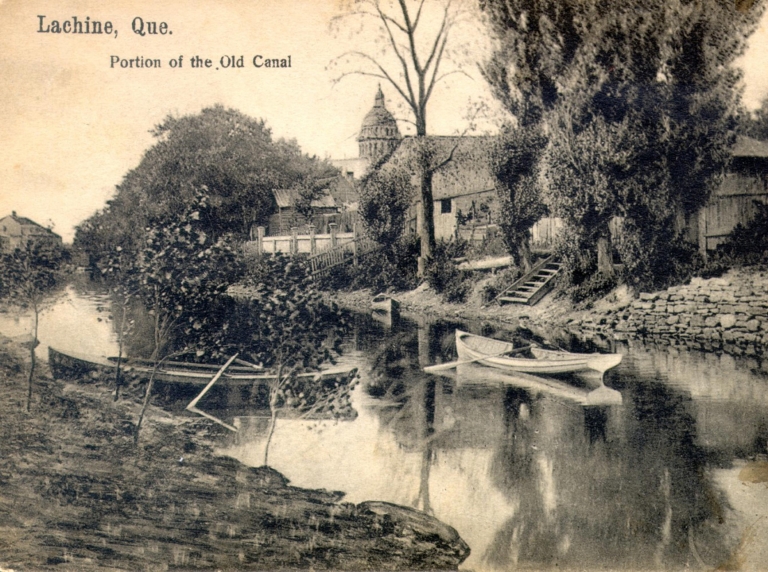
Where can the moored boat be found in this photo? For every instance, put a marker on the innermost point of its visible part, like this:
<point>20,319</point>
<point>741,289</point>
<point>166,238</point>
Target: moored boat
<point>74,366</point>
<point>491,352</point>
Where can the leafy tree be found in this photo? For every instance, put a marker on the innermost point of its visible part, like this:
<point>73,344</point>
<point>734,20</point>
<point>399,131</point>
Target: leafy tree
<point>639,101</point>
<point>180,275</point>
<point>385,196</point>
<point>223,150</point>
<point>515,163</point>
<point>28,275</point>
<point>288,327</point>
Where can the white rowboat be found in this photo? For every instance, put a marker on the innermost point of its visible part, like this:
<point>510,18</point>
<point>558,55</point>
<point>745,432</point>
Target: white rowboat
<point>490,352</point>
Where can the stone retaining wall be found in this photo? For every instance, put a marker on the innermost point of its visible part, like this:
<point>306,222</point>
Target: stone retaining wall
<point>728,313</point>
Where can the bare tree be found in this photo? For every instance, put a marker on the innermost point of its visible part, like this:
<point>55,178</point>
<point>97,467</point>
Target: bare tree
<point>419,46</point>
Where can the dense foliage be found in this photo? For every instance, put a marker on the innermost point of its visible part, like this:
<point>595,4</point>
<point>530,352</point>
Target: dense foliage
<point>747,245</point>
<point>286,320</point>
<point>516,166</point>
<point>639,101</point>
<point>385,196</point>
<point>230,154</point>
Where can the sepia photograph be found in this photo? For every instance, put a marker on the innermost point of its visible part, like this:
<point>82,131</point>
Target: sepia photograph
<point>364,285</point>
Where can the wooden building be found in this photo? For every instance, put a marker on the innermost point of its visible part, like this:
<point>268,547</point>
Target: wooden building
<point>18,231</point>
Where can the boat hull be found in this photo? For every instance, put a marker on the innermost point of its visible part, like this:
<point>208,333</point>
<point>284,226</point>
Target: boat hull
<point>79,367</point>
<point>489,352</point>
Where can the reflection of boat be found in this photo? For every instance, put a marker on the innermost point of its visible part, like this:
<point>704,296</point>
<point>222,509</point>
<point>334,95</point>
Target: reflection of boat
<point>490,352</point>
<point>473,374</point>
<point>73,366</point>
<point>385,309</point>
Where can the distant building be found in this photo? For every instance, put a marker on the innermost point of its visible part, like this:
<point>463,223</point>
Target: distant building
<point>287,217</point>
<point>462,190</point>
<point>18,231</point>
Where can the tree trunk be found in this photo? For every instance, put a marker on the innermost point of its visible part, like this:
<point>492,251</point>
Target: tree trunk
<point>33,359</point>
<point>144,405</point>
<point>119,354</point>
<point>272,424</point>
<point>524,254</point>
<point>604,256</point>
<point>273,412</point>
<point>427,228</point>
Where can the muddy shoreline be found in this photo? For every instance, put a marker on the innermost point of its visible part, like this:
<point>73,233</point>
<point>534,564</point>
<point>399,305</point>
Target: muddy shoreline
<point>77,494</point>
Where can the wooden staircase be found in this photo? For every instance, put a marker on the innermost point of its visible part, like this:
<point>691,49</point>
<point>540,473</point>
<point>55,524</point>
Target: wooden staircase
<point>533,286</point>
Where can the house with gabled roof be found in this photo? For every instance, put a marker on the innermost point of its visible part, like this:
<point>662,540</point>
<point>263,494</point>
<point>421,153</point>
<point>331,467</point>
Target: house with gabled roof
<point>18,231</point>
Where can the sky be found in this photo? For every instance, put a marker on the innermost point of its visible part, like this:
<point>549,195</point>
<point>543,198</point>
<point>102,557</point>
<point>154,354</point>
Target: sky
<point>72,123</point>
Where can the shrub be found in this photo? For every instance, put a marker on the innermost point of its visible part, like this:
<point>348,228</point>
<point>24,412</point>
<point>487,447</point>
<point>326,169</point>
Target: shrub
<point>389,268</point>
<point>747,245</point>
<point>499,283</point>
<point>444,275</point>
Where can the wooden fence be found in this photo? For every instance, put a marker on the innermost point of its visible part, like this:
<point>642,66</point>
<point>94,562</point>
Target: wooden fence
<point>325,251</point>
<point>296,243</point>
<point>731,205</point>
<point>342,254</point>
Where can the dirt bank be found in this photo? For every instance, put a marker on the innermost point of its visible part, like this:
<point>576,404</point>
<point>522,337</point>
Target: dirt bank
<point>553,311</point>
<point>77,494</point>
<point>728,314</point>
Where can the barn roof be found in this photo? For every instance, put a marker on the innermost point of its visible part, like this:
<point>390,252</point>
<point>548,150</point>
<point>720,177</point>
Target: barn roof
<point>467,173</point>
<point>286,198</point>
<point>749,147</point>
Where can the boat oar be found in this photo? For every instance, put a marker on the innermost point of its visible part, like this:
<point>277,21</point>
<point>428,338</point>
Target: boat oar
<point>453,364</point>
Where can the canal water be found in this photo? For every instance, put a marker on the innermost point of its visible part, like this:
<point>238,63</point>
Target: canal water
<point>673,477</point>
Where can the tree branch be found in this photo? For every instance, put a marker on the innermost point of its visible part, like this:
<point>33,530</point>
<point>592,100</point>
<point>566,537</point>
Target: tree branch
<point>392,41</point>
<point>384,74</point>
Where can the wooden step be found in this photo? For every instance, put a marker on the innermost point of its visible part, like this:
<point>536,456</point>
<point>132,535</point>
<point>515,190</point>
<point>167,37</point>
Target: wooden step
<point>532,287</point>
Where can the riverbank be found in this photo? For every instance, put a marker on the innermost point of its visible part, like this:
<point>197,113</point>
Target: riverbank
<point>78,494</point>
<point>728,313</point>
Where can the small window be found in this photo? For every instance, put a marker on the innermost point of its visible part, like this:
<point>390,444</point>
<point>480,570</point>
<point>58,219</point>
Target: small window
<point>445,206</point>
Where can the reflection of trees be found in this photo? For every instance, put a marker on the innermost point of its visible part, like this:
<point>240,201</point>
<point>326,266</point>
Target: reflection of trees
<point>593,489</point>
<point>620,486</point>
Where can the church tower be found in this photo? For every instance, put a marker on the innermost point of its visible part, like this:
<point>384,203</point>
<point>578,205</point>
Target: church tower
<point>379,135</point>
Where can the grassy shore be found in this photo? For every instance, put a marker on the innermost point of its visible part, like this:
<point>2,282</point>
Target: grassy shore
<point>76,493</point>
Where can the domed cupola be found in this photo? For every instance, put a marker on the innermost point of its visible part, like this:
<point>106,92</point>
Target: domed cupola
<point>379,134</point>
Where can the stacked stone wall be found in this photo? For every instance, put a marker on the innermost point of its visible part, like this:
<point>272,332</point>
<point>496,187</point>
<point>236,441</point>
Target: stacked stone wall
<point>728,313</point>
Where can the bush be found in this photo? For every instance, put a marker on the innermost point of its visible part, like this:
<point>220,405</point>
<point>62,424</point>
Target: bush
<point>594,287</point>
<point>499,283</point>
<point>747,245</point>
<point>443,274</point>
<point>392,268</point>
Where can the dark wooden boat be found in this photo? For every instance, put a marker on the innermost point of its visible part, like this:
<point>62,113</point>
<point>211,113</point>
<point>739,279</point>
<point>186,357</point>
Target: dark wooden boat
<point>73,366</point>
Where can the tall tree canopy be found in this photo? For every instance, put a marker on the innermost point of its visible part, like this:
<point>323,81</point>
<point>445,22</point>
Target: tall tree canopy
<point>639,101</point>
<point>230,155</point>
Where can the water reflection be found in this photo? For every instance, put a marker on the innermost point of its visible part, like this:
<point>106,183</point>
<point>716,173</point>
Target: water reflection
<point>532,480</point>
<point>528,478</point>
